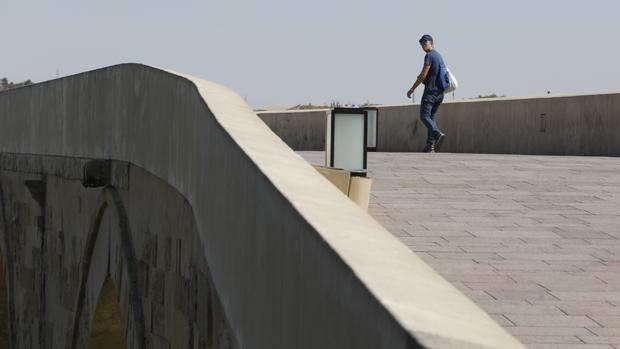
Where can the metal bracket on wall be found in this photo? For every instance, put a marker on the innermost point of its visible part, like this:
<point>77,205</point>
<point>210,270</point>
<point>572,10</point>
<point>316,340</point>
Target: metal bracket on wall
<point>543,122</point>
<point>97,173</point>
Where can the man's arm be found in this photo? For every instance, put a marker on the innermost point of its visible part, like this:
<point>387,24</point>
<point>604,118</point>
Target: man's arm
<point>420,79</point>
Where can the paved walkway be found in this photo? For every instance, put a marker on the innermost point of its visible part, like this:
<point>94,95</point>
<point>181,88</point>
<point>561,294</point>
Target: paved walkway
<point>533,240</point>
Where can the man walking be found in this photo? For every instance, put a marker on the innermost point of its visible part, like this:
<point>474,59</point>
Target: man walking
<point>433,93</point>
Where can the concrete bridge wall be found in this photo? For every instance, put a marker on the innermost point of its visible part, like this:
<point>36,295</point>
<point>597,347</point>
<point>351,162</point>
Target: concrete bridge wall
<point>294,262</point>
<point>550,125</point>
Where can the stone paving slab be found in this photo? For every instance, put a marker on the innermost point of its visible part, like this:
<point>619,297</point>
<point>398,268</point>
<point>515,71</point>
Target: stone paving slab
<point>533,240</point>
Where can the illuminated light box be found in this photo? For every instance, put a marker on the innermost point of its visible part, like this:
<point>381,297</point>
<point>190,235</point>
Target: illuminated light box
<point>346,140</point>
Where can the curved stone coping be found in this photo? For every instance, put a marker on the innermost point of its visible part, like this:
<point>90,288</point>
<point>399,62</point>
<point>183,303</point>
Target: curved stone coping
<point>296,263</point>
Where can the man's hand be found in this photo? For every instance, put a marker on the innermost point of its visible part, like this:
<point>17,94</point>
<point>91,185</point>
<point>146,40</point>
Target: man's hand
<point>410,92</point>
<point>420,79</point>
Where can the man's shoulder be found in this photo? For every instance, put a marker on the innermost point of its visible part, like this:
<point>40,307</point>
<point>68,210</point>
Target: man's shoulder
<point>436,57</point>
<point>432,55</point>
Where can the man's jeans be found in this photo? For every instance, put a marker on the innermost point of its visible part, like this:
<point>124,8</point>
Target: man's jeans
<point>428,108</point>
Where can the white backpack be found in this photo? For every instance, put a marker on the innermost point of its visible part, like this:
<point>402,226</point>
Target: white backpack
<point>453,85</point>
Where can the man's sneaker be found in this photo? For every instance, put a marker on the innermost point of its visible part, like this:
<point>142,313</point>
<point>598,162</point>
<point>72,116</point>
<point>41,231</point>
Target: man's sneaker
<point>429,148</point>
<point>438,140</point>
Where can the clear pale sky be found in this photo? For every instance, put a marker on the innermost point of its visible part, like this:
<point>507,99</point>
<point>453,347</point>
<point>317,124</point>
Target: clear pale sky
<point>280,53</point>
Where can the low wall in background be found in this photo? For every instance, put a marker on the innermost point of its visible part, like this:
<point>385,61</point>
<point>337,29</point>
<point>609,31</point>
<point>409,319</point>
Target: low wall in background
<point>549,125</point>
<point>300,130</point>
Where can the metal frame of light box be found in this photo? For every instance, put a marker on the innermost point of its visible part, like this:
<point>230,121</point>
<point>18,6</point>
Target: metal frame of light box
<point>356,111</point>
<point>376,128</point>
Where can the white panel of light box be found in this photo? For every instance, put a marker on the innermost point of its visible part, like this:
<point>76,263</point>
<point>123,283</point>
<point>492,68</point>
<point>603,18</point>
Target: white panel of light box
<point>348,144</point>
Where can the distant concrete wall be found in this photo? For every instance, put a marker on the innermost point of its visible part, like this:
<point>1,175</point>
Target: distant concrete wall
<point>553,125</point>
<point>295,263</point>
<point>300,130</point>
<point>549,125</point>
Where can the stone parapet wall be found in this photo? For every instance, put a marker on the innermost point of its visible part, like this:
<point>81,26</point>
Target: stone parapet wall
<point>549,125</point>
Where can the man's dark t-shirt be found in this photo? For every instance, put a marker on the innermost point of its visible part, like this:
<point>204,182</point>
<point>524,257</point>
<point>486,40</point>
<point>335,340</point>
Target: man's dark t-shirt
<point>431,83</point>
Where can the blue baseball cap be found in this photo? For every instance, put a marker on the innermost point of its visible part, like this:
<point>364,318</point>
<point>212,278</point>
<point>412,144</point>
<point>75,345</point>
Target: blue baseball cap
<point>425,38</point>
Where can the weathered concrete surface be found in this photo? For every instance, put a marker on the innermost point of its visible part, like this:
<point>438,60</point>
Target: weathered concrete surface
<point>63,247</point>
<point>550,125</point>
<point>295,263</point>
<point>300,130</point>
<point>533,240</point>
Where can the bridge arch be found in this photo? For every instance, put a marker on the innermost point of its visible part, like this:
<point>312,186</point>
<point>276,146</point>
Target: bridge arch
<point>93,237</point>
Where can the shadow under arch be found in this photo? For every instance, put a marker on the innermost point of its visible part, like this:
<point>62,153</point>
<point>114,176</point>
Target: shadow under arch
<point>93,233</point>
<point>107,329</point>
<point>7,329</point>
<point>136,314</point>
<point>4,307</point>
